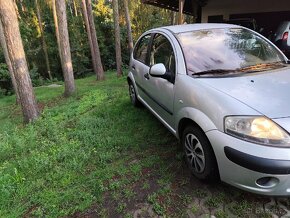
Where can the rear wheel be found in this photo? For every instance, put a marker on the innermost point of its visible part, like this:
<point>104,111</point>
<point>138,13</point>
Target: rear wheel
<point>199,155</point>
<point>133,95</point>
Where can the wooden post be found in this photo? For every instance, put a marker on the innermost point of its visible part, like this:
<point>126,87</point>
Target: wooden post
<point>180,12</point>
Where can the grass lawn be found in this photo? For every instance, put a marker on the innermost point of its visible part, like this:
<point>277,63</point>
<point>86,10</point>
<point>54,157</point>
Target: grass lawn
<point>95,155</point>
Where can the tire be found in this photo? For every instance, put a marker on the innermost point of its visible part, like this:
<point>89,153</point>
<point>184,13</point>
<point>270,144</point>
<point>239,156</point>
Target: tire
<point>133,96</point>
<point>199,155</point>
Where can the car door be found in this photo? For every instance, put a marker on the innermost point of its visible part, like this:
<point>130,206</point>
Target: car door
<point>140,64</point>
<point>161,91</point>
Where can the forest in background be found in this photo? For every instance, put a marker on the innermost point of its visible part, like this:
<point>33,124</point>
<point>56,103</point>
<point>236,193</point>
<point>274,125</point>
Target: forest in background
<point>143,17</point>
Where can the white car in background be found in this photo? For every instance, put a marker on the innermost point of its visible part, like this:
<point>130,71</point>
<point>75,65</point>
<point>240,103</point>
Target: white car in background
<point>282,37</point>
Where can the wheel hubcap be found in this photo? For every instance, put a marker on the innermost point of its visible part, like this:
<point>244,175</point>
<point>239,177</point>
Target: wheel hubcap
<point>194,153</point>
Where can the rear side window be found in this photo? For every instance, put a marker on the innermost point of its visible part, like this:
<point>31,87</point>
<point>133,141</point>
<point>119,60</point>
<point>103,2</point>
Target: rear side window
<point>140,52</point>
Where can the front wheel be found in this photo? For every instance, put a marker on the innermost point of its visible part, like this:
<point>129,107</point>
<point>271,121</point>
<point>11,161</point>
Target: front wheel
<point>199,155</point>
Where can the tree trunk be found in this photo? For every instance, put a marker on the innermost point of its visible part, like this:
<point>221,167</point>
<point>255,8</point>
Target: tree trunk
<point>16,9</point>
<point>128,22</point>
<point>18,60</point>
<point>117,38</point>
<point>75,8</point>
<point>44,46</point>
<point>56,25</point>
<point>87,25</point>
<point>64,48</point>
<point>8,62</point>
<point>23,8</point>
<point>100,70</point>
<point>173,18</point>
<point>55,21</point>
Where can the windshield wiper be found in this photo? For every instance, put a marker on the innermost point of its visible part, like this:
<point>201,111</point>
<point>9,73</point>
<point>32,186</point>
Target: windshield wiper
<point>249,69</point>
<point>215,72</point>
<point>261,66</point>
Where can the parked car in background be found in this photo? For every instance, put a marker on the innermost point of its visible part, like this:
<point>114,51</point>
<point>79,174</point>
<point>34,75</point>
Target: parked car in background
<point>224,91</point>
<point>245,22</point>
<point>282,37</point>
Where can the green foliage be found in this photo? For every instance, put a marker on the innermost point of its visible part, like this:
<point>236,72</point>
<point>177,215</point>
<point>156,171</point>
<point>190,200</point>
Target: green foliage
<point>242,208</point>
<point>37,80</point>
<point>79,46</point>
<point>5,81</point>
<point>4,73</point>
<point>221,214</point>
<point>143,17</point>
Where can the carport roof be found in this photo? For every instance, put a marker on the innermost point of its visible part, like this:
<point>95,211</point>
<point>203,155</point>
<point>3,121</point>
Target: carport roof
<point>189,5</point>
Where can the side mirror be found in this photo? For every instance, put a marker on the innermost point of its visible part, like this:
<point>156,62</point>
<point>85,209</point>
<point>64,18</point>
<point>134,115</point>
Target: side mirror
<point>157,70</point>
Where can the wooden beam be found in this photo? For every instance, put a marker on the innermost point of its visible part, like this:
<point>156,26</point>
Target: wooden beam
<point>180,13</point>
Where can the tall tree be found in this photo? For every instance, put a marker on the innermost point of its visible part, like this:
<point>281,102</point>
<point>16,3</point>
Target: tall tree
<point>64,48</point>
<point>86,20</point>
<point>117,37</point>
<point>75,8</point>
<point>173,18</point>
<point>128,23</point>
<point>8,62</point>
<point>100,70</point>
<point>55,24</point>
<point>44,46</point>
<point>91,30</point>
<point>18,60</point>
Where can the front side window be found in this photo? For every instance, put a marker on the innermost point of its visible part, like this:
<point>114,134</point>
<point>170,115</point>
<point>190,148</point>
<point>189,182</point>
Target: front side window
<point>162,52</point>
<point>228,49</point>
<point>140,52</point>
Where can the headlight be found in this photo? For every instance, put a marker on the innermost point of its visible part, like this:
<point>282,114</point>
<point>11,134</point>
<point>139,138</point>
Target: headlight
<point>259,130</point>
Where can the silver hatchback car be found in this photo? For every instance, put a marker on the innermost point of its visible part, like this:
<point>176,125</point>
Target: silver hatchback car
<point>224,91</point>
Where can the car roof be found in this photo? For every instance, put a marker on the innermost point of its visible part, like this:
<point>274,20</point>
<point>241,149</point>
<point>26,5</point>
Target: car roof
<point>200,26</point>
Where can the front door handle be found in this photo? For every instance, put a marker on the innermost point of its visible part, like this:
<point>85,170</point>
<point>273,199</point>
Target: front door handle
<point>146,75</point>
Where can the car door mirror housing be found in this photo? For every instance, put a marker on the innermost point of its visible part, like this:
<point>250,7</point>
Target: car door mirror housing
<point>158,70</point>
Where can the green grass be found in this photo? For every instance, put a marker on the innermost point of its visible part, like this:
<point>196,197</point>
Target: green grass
<point>65,161</point>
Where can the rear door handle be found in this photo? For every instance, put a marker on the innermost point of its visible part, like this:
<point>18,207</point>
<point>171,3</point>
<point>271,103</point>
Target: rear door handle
<point>146,75</point>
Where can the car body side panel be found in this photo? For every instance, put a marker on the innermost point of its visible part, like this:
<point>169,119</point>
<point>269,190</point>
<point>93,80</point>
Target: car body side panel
<point>161,90</point>
<point>267,92</point>
<point>139,70</point>
<point>162,97</point>
<point>163,93</point>
<point>209,106</point>
<point>197,116</point>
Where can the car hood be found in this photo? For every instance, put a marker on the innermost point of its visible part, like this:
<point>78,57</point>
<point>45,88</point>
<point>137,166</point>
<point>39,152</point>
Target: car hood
<point>267,92</point>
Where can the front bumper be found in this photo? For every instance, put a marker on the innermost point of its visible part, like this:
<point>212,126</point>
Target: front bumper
<point>242,164</point>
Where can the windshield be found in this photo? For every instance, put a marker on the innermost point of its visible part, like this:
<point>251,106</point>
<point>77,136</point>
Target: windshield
<point>226,49</point>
